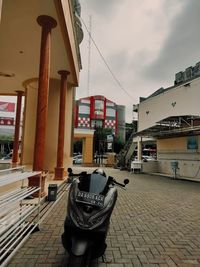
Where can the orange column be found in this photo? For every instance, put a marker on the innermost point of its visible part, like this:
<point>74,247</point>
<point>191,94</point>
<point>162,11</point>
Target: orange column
<point>17,128</point>
<point>59,170</point>
<point>47,23</point>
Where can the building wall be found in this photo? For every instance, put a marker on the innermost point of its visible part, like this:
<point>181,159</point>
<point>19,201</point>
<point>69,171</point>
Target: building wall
<point>21,62</point>
<point>178,101</point>
<point>0,9</point>
<point>52,131</point>
<point>121,123</point>
<point>52,126</point>
<point>176,149</point>
<point>70,42</point>
<point>86,135</point>
<point>69,127</point>
<point>28,138</point>
<point>172,144</point>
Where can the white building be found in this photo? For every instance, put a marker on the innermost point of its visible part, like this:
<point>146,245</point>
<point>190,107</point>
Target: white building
<point>172,116</point>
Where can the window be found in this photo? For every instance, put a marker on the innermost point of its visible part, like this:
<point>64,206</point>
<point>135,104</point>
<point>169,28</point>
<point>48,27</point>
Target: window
<point>99,107</point>
<point>192,142</point>
<point>85,101</point>
<point>110,112</point>
<point>110,104</point>
<point>99,104</point>
<point>83,109</point>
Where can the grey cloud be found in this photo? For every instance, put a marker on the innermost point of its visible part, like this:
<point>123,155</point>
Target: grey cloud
<point>181,48</point>
<point>169,5</point>
<point>102,7</point>
<point>119,61</point>
<point>125,65</point>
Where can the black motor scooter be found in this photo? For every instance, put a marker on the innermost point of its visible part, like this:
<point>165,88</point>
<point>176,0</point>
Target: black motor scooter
<point>91,200</point>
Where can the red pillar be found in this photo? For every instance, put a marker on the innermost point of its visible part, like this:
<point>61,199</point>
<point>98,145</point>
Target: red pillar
<point>47,23</point>
<point>17,128</point>
<point>59,170</point>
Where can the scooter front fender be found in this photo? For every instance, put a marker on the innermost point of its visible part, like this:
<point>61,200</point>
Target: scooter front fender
<point>79,246</point>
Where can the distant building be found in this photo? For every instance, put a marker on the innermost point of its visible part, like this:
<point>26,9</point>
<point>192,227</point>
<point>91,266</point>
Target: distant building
<point>172,117</point>
<point>187,75</point>
<point>98,111</point>
<point>8,106</point>
<point>7,116</point>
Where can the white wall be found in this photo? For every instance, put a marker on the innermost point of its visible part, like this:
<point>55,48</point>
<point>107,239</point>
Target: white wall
<point>184,98</point>
<point>175,149</point>
<point>178,101</point>
<point>0,9</point>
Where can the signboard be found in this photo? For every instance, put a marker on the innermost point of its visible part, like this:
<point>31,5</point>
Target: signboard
<point>109,146</point>
<point>110,138</point>
<point>7,106</point>
<point>7,121</point>
<point>192,142</point>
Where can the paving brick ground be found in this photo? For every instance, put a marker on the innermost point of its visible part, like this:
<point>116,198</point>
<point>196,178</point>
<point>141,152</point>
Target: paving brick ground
<point>156,222</point>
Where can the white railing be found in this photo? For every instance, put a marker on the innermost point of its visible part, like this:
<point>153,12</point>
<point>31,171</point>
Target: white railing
<point>18,217</point>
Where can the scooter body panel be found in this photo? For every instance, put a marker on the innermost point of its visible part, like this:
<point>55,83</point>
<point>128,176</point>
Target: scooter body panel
<point>87,221</point>
<point>79,246</point>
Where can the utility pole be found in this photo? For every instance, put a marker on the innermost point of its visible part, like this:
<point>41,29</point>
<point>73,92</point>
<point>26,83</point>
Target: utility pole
<point>89,54</point>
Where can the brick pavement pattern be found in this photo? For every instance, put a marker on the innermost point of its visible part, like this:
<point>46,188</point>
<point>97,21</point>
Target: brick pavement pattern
<point>156,222</point>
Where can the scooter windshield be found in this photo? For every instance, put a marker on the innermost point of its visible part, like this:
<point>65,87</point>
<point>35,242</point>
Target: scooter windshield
<point>93,183</point>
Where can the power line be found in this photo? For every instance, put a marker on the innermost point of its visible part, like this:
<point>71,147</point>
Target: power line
<point>105,62</point>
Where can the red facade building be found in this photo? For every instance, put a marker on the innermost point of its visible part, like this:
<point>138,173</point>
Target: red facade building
<point>96,111</point>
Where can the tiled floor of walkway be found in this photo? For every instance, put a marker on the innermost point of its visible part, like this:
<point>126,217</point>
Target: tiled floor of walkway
<point>156,222</point>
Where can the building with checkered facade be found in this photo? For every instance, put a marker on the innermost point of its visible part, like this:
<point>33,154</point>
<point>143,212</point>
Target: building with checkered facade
<point>98,111</point>
<point>7,115</point>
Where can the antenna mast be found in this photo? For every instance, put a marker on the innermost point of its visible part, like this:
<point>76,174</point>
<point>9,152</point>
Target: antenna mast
<point>89,54</point>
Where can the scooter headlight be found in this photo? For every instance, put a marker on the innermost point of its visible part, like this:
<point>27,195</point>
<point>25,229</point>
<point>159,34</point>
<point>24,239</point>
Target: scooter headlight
<point>86,216</point>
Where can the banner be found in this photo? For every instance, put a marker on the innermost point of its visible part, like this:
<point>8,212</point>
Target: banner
<point>109,146</point>
<point>7,106</point>
<point>7,121</point>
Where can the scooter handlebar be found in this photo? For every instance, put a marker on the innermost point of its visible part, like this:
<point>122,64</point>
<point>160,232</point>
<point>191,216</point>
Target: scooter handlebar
<point>126,181</point>
<point>70,173</point>
<point>122,185</point>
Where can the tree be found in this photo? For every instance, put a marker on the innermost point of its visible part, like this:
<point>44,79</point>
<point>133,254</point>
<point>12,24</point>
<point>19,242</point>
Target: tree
<point>100,139</point>
<point>6,138</point>
<point>118,145</point>
<point>6,144</point>
<point>77,146</point>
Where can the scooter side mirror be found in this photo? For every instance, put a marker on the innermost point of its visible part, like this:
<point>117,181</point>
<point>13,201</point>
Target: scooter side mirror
<point>69,170</point>
<point>83,173</point>
<point>126,181</point>
<point>82,176</point>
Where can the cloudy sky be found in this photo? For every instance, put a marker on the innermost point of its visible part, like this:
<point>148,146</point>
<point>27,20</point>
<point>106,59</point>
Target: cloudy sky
<point>144,42</point>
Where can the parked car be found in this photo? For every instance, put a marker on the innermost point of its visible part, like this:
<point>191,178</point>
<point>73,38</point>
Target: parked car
<point>149,158</point>
<point>145,158</point>
<point>8,156</point>
<point>78,159</point>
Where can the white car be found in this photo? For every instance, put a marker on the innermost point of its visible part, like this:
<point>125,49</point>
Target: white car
<point>8,156</point>
<point>78,159</point>
<point>149,158</point>
<point>146,158</point>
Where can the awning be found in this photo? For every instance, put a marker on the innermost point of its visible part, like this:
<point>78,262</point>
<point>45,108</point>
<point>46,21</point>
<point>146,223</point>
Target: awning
<point>174,126</point>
